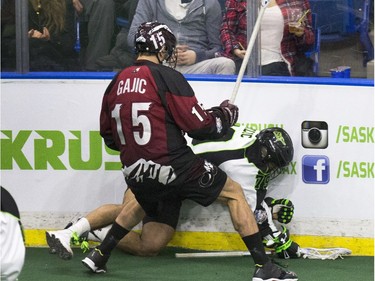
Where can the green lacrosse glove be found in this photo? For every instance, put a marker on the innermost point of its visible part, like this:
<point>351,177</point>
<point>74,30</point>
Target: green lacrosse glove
<point>282,207</point>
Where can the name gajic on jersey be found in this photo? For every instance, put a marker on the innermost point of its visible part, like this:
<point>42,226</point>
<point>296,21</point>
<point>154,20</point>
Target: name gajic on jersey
<point>132,85</point>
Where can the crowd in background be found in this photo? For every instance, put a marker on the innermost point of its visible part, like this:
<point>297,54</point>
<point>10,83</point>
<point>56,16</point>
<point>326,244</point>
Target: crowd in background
<point>88,35</point>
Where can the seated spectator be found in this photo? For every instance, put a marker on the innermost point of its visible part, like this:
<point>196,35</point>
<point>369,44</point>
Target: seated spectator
<point>100,17</point>
<point>51,32</point>
<point>52,36</point>
<point>8,35</point>
<point>280,44</point>
<point>121,55</point>
<point>196,25</point>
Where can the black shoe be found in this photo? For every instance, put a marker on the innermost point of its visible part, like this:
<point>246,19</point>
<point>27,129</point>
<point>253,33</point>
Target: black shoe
<point>271,272</point>
<point>96,261</point>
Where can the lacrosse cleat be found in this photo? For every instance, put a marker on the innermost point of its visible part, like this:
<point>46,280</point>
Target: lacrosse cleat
<point>271,272</point>
<point>59,243</point>
<point>96,261</point>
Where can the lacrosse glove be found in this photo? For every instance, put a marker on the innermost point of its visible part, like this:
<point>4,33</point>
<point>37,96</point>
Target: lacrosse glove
<point>227,111</point>
<point>284,209</point>
<point>284,247</point>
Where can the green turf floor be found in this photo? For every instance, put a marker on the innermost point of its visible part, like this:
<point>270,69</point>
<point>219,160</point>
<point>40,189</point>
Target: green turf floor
<point>40,265</point>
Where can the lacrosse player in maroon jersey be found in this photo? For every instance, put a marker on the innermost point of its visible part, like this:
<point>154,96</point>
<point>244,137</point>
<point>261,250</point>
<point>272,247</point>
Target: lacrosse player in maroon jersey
<point>250,157</point>
<point>146,110</point>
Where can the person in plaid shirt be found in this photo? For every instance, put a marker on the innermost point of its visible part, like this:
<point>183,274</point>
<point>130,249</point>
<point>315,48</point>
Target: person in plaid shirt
<point>279,43</point>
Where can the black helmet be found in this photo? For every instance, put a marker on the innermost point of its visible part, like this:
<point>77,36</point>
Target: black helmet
<point>152,37</point>
<point>276,149</point>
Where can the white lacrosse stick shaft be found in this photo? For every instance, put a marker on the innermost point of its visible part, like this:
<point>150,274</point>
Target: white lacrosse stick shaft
<point>249,49</point>
<point>215,254</point>
<point>212,254</point>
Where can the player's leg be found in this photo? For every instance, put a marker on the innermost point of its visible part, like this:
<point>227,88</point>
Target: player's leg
<point>106,214</point>
<point>59,241</point>
<point>241,214</point>
<point>159,225</point>
<point>157,230</point>
<point>101,219</point>
<point>155,234</point>
<point>127,219</point>
<point>153,238</point>
<point>245,224</point>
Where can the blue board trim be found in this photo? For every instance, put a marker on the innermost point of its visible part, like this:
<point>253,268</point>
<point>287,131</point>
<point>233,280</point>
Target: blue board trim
<point>200,77</point>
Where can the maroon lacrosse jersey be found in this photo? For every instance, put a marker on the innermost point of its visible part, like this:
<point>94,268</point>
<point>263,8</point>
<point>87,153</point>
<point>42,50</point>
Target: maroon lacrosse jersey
<point>146,110</point>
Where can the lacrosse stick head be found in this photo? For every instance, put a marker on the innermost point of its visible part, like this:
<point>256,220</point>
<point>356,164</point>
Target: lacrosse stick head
<point>276,150</point>
<point>325,253</point>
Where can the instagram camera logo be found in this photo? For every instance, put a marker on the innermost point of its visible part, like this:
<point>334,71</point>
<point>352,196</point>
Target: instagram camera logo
<point>315,169</point>
<point>314,134</point>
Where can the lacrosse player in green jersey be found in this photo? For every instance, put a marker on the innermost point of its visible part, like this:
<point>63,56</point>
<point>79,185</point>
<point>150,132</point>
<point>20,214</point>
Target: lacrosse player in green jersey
<point>250,157</point>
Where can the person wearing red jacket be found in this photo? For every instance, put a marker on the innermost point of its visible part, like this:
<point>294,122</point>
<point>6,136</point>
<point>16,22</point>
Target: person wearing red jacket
<point>280,44</point>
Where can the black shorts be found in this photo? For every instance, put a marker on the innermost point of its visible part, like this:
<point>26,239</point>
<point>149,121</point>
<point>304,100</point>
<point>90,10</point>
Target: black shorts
<point>201,184</point>
<point>164,211</point>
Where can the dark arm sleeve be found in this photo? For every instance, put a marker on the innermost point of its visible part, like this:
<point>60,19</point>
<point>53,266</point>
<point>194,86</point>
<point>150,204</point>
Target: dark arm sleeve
<point>189,114</point>
<point>105,120</point>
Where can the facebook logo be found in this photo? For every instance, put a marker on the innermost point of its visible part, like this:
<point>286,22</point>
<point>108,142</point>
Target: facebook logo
<point>315,169</point>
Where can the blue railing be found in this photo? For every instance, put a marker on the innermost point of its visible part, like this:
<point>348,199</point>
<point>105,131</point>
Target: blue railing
<point>200,77</point>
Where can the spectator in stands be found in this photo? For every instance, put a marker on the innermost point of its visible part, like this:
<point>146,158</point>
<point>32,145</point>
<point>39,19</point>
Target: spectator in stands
<point>121,55</point>
<point>52,36</point>
<point>196,25</point>
<point>100,18</point>
<point>280,43</point>
<point>51,33</point>
<point>8,35</point>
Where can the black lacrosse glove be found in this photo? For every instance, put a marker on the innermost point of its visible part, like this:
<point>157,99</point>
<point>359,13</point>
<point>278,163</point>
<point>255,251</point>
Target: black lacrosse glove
<point>227,112</point>
<point>284,247</point>
<point>284,209</point>
<point>231,112</point>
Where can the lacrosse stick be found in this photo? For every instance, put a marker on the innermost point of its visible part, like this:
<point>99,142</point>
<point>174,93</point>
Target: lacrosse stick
<point>249,49</point>
<point>325,253</point>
